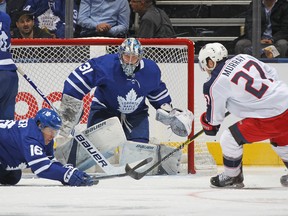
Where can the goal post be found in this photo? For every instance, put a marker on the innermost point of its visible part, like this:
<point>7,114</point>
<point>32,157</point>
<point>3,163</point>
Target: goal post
<point>48,62</point>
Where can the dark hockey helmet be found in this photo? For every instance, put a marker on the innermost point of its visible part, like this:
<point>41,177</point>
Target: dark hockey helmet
<point>48,118</point>
<point>130,55</point>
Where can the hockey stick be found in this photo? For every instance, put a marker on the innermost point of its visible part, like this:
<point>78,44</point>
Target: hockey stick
<point>142,163</point>
<point>19,70</point>
<point>138,175</point>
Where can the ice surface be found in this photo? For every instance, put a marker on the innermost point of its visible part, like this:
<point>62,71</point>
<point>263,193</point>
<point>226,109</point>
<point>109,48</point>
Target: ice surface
<point>152,195</point>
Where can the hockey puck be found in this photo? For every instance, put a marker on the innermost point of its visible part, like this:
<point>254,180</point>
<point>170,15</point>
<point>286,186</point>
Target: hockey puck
<point>284,180</point>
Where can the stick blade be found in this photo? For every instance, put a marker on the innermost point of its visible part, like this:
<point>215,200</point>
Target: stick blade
<point>132,171</point>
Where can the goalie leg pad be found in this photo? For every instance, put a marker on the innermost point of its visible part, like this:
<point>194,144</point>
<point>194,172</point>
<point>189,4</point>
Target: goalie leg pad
<point>171,165</point>
<point>132,152</point>
<point>105,136</point>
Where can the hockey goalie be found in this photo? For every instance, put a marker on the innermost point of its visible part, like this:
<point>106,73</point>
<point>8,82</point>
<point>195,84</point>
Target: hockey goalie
<point>123,82</point>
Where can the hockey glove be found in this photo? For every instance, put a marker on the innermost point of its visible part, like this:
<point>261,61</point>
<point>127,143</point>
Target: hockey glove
<point>209,130</point>
<point>75,177</point>
<point>179,121</point>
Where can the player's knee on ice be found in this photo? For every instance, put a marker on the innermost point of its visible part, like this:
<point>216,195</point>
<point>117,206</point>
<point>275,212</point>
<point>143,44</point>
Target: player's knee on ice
<point>11,177</point>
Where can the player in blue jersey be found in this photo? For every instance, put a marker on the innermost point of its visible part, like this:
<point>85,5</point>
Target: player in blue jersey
<point>8,74</point>
<point>252,91</point>
<point>124,81</point>
<point>29,144</point>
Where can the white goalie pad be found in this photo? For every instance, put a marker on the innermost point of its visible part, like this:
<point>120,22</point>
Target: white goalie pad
<point>135,151</point>
<point>70,112</point>
<point>106,136</point>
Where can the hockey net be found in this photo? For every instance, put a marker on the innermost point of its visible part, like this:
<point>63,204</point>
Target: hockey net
<point>49,62</point>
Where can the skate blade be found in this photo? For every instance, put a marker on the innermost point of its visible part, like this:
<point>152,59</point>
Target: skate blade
<point>234,186</point>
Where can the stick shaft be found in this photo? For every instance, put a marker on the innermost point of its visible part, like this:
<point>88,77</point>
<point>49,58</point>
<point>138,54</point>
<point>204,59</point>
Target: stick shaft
<point>137,175</point>
<point>36,88</point>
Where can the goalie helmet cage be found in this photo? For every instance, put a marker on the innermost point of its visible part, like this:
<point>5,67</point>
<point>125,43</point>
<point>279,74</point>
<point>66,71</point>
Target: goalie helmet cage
<point>48,62</point>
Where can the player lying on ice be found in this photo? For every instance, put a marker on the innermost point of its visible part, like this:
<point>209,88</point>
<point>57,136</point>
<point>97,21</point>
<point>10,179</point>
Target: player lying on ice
<point>252,91</point>
<point>123,81</point>
<point>29,144</point>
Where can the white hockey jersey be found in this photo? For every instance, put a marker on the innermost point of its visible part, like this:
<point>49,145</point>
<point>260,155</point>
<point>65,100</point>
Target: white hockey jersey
<point>246,87</point>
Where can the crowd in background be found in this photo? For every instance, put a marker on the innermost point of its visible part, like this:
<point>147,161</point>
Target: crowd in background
<point>91,18</point>
<point>94,18</point>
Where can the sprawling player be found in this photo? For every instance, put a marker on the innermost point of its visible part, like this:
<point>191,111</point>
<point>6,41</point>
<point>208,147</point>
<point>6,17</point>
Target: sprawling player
<point>29,143</point>
<point>8,74</point>
<point>124,81</point>
<point>251,90</point>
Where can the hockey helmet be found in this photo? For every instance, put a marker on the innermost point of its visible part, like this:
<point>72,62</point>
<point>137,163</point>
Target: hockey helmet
<point>48,118</point>
<point>213,51</point>
<point>130,55</point>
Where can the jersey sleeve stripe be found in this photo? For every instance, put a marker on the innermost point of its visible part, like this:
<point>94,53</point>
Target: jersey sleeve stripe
<point>94,99</point>
<point>6,62</point>
<point>41,169</point>
<point>81,80</point>
<point>38,161</point>
<point>157,96</point>
<point>75,86</point>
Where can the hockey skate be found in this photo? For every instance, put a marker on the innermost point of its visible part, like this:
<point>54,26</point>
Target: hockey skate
<point>223,180</point>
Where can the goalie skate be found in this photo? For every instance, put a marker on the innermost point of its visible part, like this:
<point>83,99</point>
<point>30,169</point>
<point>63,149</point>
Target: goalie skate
<point>223,180</point>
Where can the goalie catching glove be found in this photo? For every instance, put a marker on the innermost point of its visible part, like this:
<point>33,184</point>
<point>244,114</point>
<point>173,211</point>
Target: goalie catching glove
<point>208,129</point>
<point>180,121</point>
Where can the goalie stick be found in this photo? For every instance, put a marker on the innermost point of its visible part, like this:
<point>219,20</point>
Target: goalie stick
<point>103,163</point>
<point>138,175</point>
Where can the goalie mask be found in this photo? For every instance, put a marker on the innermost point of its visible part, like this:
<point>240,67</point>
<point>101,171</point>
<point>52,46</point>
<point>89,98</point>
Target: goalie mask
<point>213,51</point>
<point>130,55</point>
<point>48,118</point>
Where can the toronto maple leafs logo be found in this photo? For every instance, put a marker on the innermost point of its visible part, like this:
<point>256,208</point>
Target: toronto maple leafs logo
<point>48,20</point>
<point>130,103</point>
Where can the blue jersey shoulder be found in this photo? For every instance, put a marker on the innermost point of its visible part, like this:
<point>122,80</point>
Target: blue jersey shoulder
<point>5,43</point>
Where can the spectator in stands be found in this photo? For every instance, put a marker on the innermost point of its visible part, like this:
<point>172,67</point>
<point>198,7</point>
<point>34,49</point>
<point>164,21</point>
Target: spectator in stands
<point>108,18</point>
<point>8,74</point>
<point>274,28</point>
<point>154,22</point>
<point>50,15</point>
<point>27,29</point>
<point>12,8</point>
<point>3,5</point>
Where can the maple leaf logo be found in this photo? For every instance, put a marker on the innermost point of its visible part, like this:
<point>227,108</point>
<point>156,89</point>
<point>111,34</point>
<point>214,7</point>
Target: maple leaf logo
<point>130,103</point>
<point>48,20</point>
